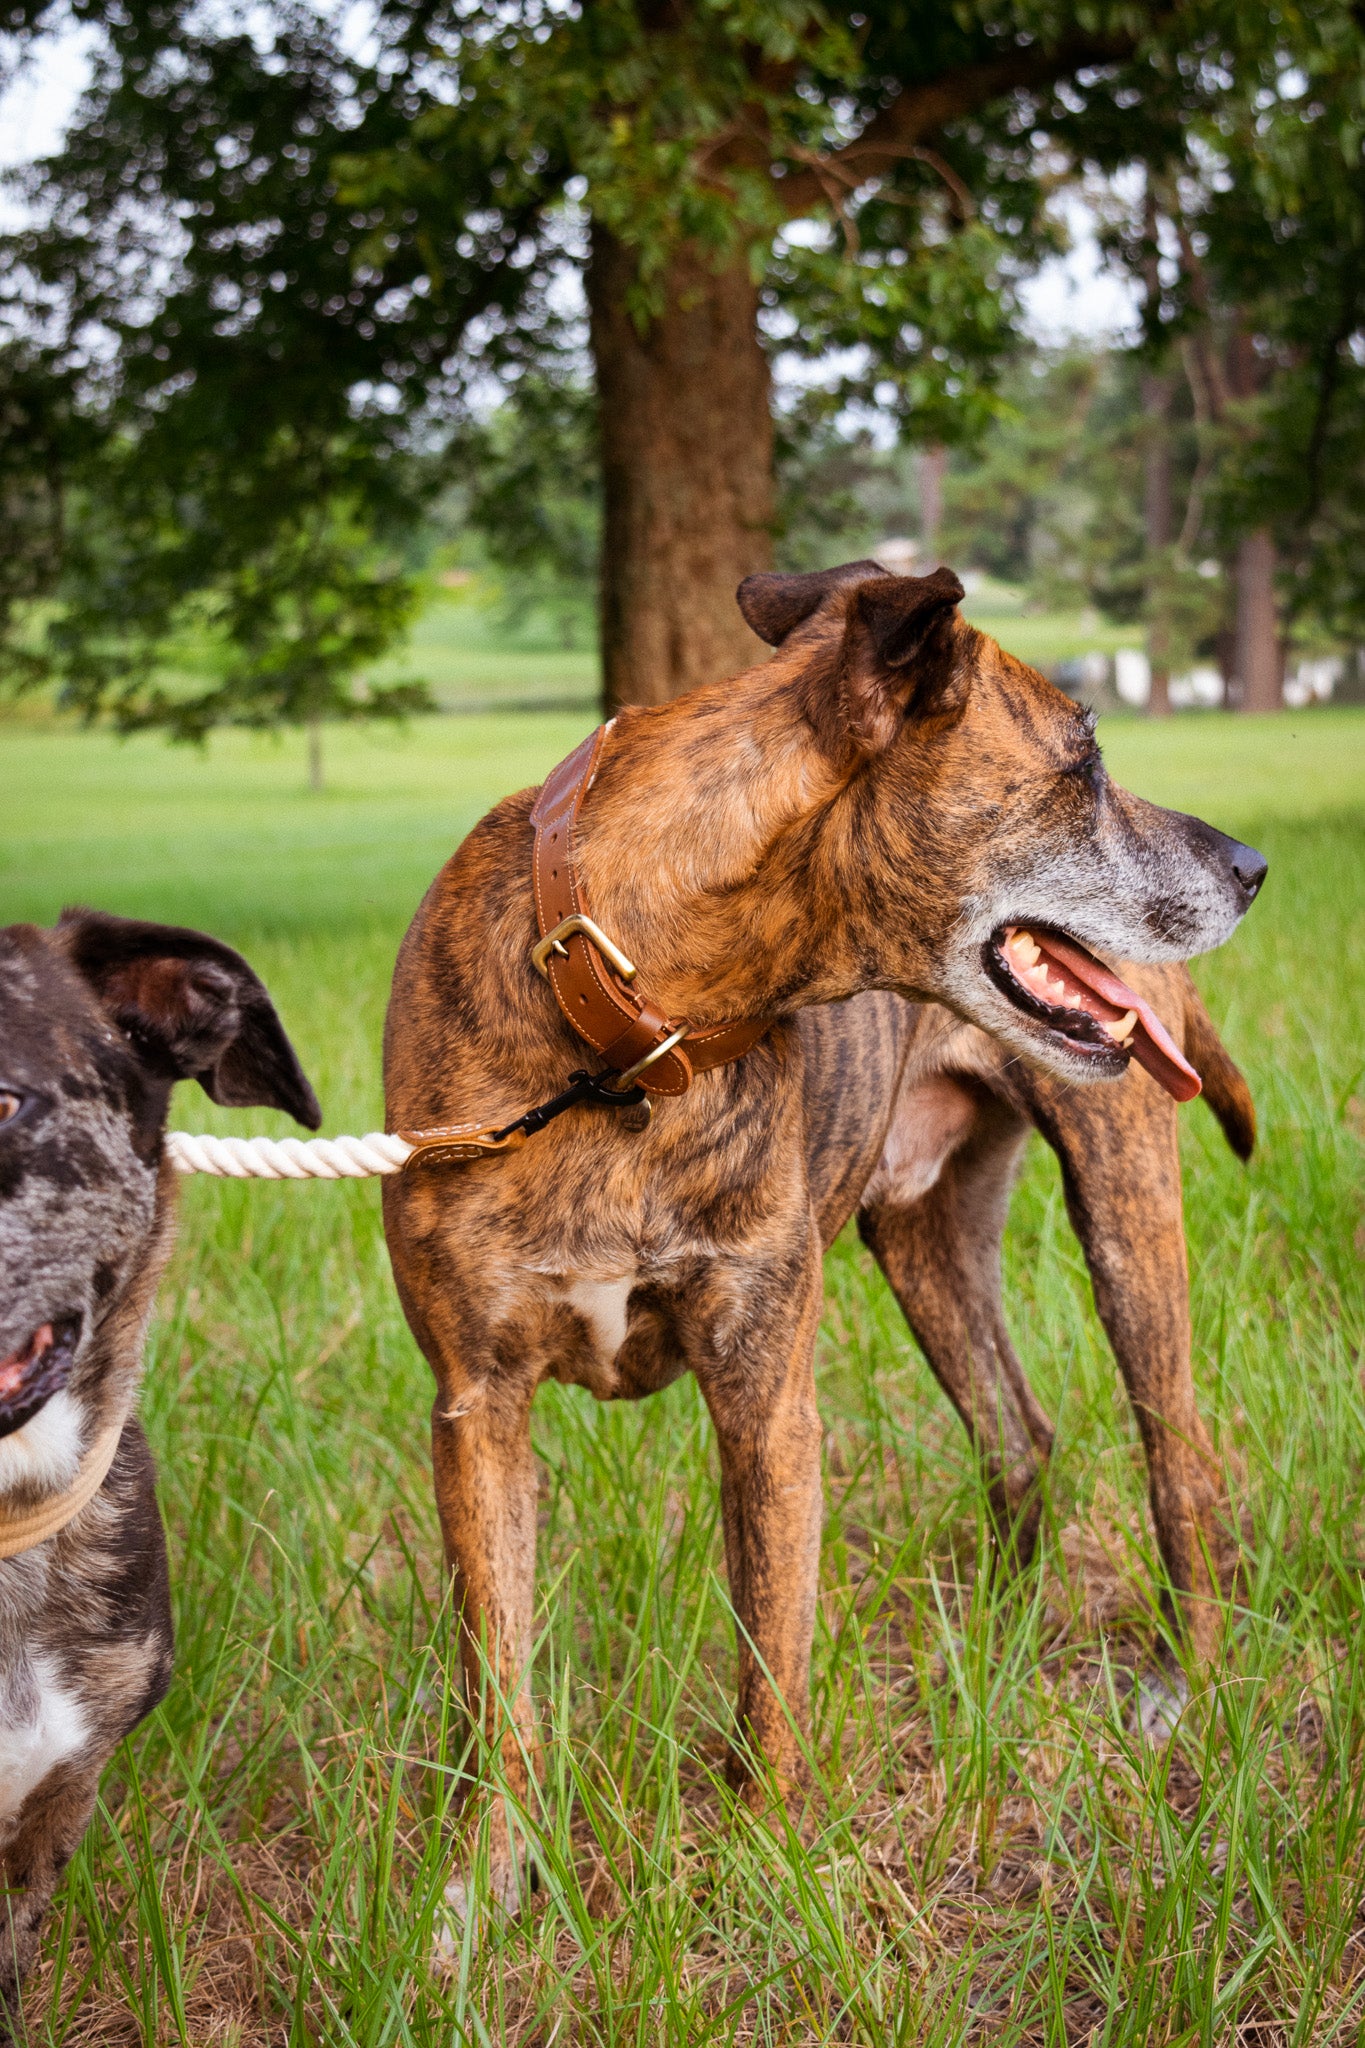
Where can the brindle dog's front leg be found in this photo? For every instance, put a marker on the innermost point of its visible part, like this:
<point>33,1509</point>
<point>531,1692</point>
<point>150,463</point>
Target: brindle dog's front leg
<point>486,1496</point>
<point>53,1820</point>
<point>761,1395</point>
<point>933,1218</point>
<point>1120,1161</point>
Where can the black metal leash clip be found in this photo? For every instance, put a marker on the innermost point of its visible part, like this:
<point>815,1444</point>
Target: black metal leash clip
<point>586,1088</point>
<point>457,1144</point>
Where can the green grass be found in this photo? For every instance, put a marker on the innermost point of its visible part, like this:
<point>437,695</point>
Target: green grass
<point>991,1854</point>
<point>1043,637</point>
<point>459,645</point>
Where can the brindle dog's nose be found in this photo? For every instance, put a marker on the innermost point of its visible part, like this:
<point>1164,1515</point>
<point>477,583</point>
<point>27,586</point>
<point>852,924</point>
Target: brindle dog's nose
<point>1248,866</point>
<point>1243,864</point>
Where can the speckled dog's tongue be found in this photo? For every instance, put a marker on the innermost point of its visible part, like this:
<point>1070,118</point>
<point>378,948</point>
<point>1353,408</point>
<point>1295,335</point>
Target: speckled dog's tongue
<point>1145,1036</point>
<point>15,1369</point>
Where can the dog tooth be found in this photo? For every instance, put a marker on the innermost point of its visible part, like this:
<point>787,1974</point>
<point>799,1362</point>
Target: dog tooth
<point>1021,949</point>
<point>1121,1030</point>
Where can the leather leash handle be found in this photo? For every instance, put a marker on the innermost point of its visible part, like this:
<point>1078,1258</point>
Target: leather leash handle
<point>620,1025</point>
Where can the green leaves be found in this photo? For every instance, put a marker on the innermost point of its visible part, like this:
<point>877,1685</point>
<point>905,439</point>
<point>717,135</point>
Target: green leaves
<point>281,288</point>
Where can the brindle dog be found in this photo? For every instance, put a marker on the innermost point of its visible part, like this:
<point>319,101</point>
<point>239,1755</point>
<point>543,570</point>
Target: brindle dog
<point>890,805</point>
<point>933,1213</point>
<point>98,1018</point>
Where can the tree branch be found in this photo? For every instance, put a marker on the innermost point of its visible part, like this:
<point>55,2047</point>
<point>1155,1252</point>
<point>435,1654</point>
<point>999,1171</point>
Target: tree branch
<point>919,112</point>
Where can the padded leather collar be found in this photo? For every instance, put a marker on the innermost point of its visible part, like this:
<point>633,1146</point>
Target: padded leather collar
<point>603,1005</point>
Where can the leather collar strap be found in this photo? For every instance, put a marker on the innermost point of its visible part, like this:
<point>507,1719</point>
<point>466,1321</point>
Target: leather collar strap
<point>596,997</point>
<point>25,1531</point>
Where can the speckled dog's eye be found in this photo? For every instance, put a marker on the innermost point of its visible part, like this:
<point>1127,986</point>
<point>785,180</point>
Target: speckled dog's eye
<point>10,1105</point>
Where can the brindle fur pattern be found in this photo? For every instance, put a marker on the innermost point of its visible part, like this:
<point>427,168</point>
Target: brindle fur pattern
<point>845,826</point>
<point>97,1019</point>
<point>933,1213</point>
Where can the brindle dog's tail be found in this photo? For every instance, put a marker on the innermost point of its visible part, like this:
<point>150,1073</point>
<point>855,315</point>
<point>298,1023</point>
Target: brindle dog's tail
<point>1225,1088</point>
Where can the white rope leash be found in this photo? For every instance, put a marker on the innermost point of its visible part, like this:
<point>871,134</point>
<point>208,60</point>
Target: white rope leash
<point>288,1158</point>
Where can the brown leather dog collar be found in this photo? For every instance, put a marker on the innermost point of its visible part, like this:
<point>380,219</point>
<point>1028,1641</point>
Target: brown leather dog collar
<point>593,981</point>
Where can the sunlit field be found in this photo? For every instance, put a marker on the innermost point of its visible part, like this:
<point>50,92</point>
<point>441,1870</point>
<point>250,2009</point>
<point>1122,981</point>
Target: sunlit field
<point>991,1851</point>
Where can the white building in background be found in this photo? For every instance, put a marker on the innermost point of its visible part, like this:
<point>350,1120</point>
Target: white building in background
<point>1199,689</point>
<point>898,556</point>
<point>1132,676</point>
<point>1313,682</point>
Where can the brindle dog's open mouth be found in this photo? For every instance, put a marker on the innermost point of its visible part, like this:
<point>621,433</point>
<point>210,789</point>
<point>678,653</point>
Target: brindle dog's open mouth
<point>1052,979</point>
<point>30,1376</point>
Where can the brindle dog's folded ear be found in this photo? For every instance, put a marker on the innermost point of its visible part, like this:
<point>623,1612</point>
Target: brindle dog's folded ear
<point>775,606</point>
<point>192,1009</point>
<point>896,657</point>
<point>899,655</point>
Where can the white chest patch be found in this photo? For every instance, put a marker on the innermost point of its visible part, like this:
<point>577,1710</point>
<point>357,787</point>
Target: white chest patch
<point>602,1305</point>
<point>52,1729</point>
<point>46,1451</point>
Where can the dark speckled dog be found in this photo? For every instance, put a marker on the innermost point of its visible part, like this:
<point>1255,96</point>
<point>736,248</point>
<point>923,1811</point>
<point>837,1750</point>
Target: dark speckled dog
<point>98,1018</point>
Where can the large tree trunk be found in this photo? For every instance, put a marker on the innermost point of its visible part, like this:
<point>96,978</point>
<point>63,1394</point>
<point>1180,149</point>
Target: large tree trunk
<point>1157,516</point>
<point>1259,672</point>
<point>933,467</point>
<point>687,473</point>
<point>1259,678</point>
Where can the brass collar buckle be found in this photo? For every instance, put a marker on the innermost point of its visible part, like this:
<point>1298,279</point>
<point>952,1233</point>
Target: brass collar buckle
<point>579,926</point>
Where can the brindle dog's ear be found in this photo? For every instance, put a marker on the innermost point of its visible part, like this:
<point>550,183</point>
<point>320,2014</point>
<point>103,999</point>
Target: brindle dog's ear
<point>192,1009</point>
<point>900,614</point>
<point>899,655</point>
<point>897,661</point>
<point>776,605</point>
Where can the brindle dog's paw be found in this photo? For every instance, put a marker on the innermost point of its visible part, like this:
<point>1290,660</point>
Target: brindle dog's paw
<point>470,1903</point>
<point>1159,1700</point>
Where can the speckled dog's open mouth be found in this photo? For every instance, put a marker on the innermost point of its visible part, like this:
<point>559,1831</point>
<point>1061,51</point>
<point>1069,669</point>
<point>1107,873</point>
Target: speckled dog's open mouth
<point>1055,982</point>
<point>30,1376</point>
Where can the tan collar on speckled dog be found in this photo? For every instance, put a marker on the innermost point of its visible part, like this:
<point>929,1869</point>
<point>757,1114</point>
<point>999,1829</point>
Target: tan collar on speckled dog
<point>25,1531</point>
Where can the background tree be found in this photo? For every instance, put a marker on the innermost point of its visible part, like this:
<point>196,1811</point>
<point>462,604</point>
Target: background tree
<point>309,264</point>
<point>233,535</point>
<point>290,247</point>
<point>43,442</point>
<point>533,495</point>
<point>1249,240</point>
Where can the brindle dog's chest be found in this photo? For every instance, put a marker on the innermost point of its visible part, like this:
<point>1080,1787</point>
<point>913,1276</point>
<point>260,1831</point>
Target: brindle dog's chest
<point>629,1326</point>
<point>632,1276</point>
<point>620,1335</point>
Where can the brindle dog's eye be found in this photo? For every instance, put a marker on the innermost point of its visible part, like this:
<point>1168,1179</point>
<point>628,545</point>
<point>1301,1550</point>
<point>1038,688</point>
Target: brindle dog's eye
<point>10,1105</point>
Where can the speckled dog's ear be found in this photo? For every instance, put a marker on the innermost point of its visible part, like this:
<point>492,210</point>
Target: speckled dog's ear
<point>190,1008</point>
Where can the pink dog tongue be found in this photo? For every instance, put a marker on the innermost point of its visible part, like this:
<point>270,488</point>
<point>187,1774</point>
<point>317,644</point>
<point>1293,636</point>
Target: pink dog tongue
<point>15,1369</point>
<point>1153,1046</point>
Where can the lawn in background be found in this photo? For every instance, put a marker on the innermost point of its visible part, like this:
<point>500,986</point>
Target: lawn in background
<point>992,1853</point>
<point>474,657</point>
<point>467,650</point>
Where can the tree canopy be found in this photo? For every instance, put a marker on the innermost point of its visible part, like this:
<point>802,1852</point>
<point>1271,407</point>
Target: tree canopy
<point>272,281</point>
